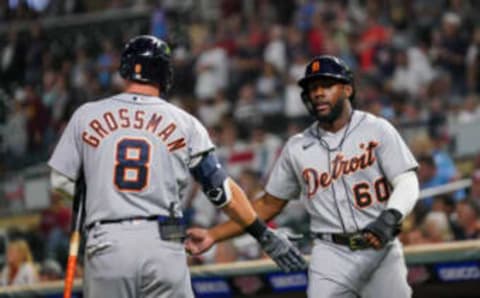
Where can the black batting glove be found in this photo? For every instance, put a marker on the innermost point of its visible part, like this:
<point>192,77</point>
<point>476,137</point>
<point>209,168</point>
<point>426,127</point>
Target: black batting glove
<point>278,246</point>
<point>386,227</point>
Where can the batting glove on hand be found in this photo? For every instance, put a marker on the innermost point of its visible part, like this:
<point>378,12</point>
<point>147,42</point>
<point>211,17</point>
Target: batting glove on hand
<point>282,251</point>
<point>385,228</point>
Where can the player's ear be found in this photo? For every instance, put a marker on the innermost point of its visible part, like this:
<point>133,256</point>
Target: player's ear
<point>348,89</point>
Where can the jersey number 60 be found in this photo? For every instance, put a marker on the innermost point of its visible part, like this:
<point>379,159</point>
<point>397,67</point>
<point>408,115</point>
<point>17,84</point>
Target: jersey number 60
<point>363,197</point>
<point>132,164</point>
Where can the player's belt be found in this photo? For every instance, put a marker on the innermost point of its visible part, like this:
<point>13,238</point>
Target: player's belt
<point>354,241</point>
<point>125,219</point>
<point>170,228</point>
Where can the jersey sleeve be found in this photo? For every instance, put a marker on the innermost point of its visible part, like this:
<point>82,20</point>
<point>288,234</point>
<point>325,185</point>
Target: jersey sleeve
<point>200,141</point>
<point>393,153</point>
<point>283,182</point>
<point>66,157</point>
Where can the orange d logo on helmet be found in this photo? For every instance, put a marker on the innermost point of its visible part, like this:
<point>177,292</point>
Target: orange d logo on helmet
<point>138,68</point>
<point>316,66</point>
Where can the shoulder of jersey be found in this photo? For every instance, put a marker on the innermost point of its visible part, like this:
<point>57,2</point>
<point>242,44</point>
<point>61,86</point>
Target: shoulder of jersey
<point>369,118</point>
<point>375,126</point>
<point>107,100</point>
<point>84,107</point>
<point>301,140</point>
<point>186,116</point>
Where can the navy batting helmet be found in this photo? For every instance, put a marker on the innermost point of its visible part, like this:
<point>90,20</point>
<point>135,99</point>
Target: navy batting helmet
<point>146,59</point>
<point>325,66</point>
<point>329,67</point>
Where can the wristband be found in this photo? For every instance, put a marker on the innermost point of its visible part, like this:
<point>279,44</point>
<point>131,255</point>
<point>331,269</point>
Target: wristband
<point>256,228</point>
<point>396,216</point>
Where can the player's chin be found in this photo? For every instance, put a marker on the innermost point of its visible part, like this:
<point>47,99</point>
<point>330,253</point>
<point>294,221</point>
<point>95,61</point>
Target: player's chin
<point>324,116</point>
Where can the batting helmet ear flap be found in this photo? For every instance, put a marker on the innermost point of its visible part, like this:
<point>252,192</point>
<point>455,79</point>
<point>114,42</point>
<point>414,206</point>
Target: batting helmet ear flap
<point>307,102</point>
<point>126,69</point>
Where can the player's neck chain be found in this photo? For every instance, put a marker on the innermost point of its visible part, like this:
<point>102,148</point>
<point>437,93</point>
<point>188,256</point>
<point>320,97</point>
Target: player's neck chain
<point>324,143</point>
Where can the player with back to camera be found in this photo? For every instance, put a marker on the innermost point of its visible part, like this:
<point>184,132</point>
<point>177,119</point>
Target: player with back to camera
<point>137,152</point>
<point>356,178</point>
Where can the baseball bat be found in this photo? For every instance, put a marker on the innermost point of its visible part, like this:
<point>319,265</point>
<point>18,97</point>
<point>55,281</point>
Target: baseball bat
<point>74,245</point>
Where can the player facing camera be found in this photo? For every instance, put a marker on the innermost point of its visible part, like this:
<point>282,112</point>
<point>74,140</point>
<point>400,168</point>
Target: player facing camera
<point>341,168</point>
<point>326,86</point>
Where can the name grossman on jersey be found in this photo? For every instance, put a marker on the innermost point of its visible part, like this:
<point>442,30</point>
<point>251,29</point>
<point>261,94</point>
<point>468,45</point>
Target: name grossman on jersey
<point>123,118</point>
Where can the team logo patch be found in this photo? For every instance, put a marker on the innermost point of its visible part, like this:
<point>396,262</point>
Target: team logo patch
<point>138,68</point>
<point>316,66</point>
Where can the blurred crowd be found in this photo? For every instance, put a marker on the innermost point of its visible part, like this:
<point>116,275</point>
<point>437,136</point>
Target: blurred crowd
<point>236,64</point>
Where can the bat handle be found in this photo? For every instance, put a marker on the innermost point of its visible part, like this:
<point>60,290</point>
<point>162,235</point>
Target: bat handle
<point>71,264</point>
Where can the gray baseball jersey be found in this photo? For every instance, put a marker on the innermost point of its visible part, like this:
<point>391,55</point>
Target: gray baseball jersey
<point>343,179</point>
<point>135,151</point>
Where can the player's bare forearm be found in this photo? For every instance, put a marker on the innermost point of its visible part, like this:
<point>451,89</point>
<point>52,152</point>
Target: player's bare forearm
<point>239,208</point>
<point>266,208</point>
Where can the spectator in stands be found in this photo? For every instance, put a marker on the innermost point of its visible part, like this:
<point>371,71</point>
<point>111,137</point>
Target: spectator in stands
<point>34,53</point>
<point>54,226</point>
<point>467,218</point>
<point>19,268</point>
<point>246,63</point>
<point>16,143</point>
<point>211,69</point>
<point>246,111</point>
<point>184,73</point>
<point>470,111</point>
<point>275,51</point>
<point>413,71</point>
<point>269,89</point>
<point>82,64</point>
<point>212,110</point>
<point>436,227</point>
<point>293,110</point>
<point>12,59</point>
<point>266,147</point>
<point>107,63</point>
<point>50,270</point>
<point>473,62</point>
<point>268,83</point>
<point>446,170</point>
<point>38,120</point>
<point>475,188</point>
<point>450,49</point>
<point>234,153</point>
<point>374,36</point>
<point>427,171</point>
<point>414,237</point>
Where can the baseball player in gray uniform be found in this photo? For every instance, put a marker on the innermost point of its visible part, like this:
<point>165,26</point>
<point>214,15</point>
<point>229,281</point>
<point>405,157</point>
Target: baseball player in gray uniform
<point>356,178</point>
<point>137,152</point>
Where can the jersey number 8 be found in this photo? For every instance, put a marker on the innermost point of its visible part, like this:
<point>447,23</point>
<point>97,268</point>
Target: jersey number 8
<point>132,164</point>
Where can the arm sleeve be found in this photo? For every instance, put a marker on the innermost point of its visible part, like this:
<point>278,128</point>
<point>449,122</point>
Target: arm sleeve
<point>405,193</point>
<point>393,154</point>
<point>66,157</point>
<point>283,182</point>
